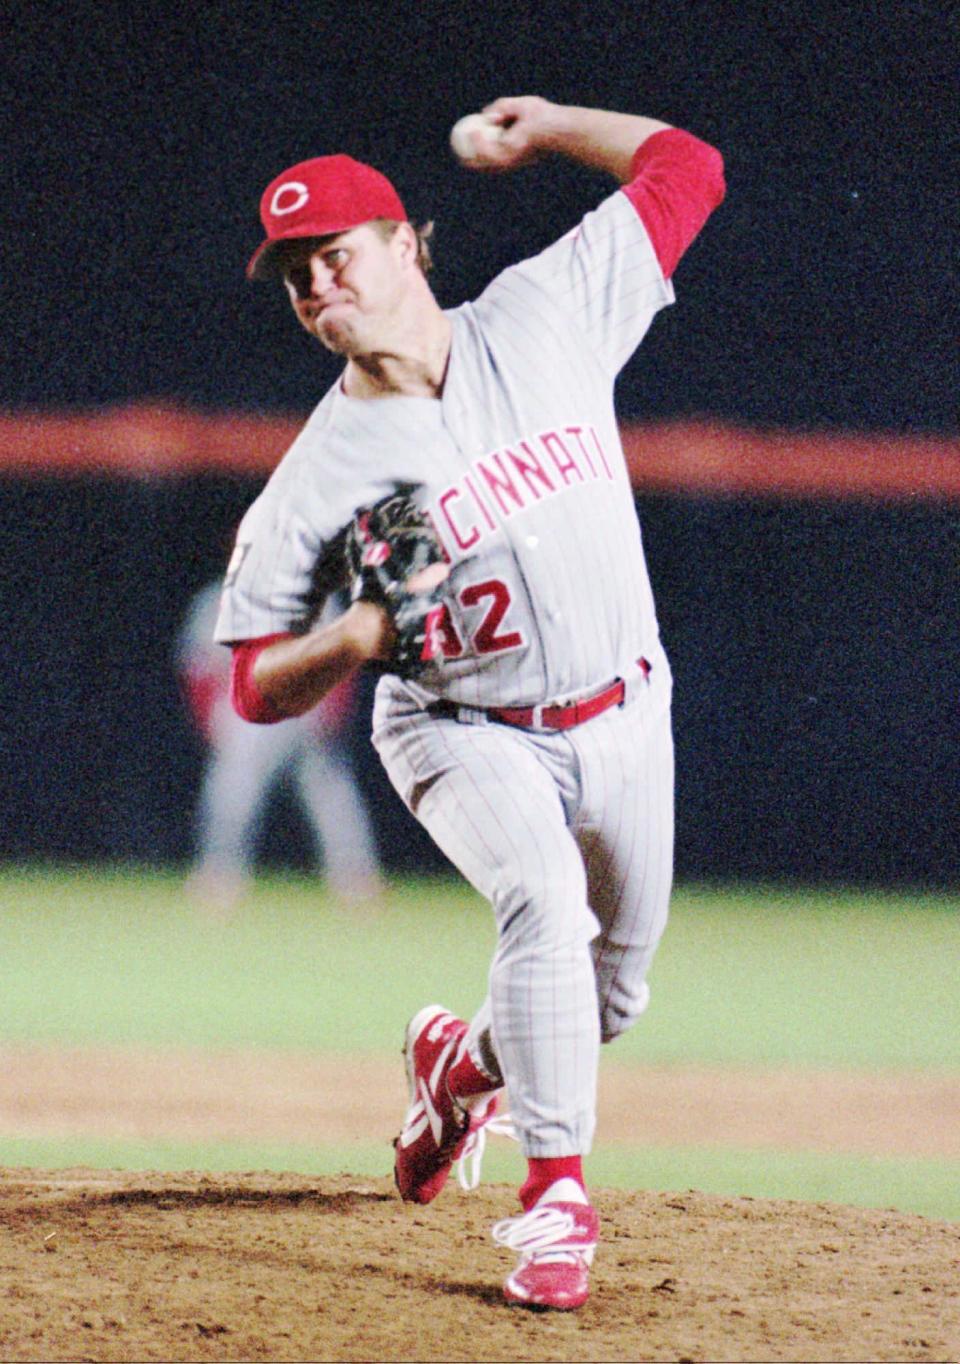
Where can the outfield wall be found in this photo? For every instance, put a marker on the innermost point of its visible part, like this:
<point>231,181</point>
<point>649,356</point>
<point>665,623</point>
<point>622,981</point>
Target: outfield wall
<point>808,595</point>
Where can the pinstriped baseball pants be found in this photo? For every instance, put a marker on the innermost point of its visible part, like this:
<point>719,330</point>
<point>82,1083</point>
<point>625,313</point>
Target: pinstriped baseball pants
<point>570,837</point>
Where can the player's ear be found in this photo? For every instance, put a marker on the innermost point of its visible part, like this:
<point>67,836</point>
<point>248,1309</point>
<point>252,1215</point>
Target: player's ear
<point>405,244</point>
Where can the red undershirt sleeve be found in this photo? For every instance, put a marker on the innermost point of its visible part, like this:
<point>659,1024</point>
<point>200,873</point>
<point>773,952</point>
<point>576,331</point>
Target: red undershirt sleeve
<point>245,696</point>
<point>676,183</point>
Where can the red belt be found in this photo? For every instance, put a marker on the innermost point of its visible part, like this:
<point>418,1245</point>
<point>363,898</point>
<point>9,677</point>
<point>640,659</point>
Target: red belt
<point>565,716</point>
<point>561,717</point>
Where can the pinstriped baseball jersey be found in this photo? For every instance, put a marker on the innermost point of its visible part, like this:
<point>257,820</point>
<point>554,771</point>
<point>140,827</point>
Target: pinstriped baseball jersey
<point>520,466</point>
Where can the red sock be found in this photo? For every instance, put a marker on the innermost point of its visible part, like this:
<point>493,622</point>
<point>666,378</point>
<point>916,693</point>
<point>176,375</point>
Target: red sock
<point>544,1171</point>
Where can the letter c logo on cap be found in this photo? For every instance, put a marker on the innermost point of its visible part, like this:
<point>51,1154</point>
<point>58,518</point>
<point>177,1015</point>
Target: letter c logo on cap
<point>282,203</point>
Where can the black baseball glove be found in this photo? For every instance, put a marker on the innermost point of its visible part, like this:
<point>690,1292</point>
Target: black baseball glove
<point>395,560</point>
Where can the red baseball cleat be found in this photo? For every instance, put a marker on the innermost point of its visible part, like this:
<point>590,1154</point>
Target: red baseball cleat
<point>556,1242</point>
<point>436,1131</point>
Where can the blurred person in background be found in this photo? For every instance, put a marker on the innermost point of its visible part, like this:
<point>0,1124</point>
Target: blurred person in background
<point>246,765</point>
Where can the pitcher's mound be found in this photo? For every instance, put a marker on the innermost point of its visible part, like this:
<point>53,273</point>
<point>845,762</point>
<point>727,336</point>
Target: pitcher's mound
<point>102,1265</point>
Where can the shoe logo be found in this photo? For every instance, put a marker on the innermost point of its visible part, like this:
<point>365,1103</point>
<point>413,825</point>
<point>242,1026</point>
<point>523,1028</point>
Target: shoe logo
<point>436,1122</point>
<point>414,1127</point>
<point>422,1115</point>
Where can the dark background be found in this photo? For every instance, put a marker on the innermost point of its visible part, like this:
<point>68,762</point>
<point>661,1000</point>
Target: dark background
<point>814,643</point>
<point>815,702</point>
<point>137,140</point>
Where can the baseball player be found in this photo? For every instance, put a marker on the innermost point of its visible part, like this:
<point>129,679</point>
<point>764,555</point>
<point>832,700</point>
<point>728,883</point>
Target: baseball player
<point>524,714</point>
<point>246,762</point>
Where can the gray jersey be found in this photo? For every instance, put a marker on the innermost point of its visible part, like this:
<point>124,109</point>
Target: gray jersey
<point>519,465</point>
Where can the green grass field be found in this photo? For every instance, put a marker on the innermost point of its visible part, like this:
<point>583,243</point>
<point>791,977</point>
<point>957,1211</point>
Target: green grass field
<point>766,977</point>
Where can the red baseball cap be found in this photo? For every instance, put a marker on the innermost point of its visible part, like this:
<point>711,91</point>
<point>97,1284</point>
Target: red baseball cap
<point>318,197</point>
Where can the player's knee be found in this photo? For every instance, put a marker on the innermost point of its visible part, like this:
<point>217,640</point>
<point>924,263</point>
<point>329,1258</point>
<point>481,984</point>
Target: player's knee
<point>543,911</point>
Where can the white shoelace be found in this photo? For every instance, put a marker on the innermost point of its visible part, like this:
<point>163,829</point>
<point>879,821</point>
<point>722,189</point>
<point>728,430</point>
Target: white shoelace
<point>468,1166</point>
<point>535,1232</point>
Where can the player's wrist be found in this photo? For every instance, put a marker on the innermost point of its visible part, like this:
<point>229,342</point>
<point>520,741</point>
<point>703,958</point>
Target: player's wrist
<point>550,129</point>
<point>559,127</point>
<point>367,631</point>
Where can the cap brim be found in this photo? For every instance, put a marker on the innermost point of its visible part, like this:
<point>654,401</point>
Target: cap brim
<point>263,262</point>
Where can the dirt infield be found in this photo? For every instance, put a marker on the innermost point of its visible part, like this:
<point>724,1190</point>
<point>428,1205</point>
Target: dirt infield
<point>282,1096</point>
<point>99,1265</point>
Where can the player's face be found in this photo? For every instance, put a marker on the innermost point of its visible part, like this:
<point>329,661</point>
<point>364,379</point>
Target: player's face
<point>345,289</point>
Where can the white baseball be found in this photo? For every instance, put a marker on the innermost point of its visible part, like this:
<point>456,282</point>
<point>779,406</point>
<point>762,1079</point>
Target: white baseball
<point>460,134</point>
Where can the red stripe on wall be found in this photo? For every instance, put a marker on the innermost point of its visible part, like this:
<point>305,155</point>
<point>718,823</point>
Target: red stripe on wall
<point>705,458</point>
<point>155,439</point>
<point>143,438</point>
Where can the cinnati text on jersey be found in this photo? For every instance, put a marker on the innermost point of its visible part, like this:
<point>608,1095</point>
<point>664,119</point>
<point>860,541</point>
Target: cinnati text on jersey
<point>511,480</point>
